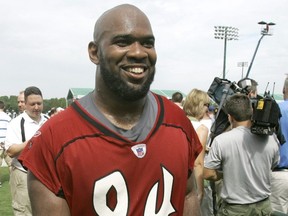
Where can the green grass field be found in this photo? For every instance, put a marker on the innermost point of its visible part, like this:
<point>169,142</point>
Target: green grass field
<point>5,195</point>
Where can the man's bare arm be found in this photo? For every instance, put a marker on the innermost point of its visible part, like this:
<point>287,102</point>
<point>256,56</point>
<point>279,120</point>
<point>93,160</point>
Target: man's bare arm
<point>192,204</point>
<point>15,149</point>
<point>213,175</point>
<point>43,201</point>
<point>202,132</point>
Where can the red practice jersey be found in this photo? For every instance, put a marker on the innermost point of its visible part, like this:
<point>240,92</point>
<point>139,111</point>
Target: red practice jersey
<point>100,172</point>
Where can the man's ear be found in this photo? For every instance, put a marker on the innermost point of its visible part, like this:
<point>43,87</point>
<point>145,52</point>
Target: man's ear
<point>92,50</point>
<point>230,118</point>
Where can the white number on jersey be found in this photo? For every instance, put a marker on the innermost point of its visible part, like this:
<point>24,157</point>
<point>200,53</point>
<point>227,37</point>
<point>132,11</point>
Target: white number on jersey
<point>117,181</point>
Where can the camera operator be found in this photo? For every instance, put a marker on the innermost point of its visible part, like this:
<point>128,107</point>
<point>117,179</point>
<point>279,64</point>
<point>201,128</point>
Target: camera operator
<point>244,158</point>
<point>251,87</point>
<point>279,196</point>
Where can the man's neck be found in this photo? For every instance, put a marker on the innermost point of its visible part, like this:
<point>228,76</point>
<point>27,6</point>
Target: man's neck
<point>121,113</point>
<point>36,119</point>
<point>246,124</point>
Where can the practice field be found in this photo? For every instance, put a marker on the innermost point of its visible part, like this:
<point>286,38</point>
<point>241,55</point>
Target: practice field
<point>5,196</point>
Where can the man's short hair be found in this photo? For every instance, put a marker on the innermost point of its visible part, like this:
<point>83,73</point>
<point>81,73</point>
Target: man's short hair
<point>32,90</point>
<point>249,84</point>
<point>177,97</point>
<point>239,107</point>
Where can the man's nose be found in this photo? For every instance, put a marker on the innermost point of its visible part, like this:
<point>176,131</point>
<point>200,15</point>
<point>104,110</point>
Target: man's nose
<point>136,50</point>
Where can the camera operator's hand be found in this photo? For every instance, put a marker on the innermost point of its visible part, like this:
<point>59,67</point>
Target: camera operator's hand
<point>207,149</point>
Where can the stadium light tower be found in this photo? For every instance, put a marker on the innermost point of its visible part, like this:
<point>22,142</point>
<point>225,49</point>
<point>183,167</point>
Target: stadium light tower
<point>242,64</point>
<point>265,30</point>
<point>225,33</point>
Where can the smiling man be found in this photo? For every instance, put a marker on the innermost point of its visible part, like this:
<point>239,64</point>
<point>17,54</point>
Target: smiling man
<point>19,131</point>
<point>120,150</point>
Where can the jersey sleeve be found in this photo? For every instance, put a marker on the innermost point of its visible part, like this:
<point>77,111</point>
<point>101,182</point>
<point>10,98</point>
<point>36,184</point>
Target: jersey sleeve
<point>32,158</point>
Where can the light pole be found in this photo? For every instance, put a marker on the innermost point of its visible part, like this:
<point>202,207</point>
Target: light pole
<point>264,32</point>
<point>242,64</point>
<point>225,33</point>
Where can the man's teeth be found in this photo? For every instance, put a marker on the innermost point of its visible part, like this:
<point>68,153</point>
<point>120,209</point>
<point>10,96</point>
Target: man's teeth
<point>136,70</point>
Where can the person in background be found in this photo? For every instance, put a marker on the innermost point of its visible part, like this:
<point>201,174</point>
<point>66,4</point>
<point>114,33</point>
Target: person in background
<point>177,98</point>
<point>19,131</point>
<point>59,109</point>
<point>52,112</point>
<point>251,87</point>
<point>209,117</point>
<point>207,202</point>
<point>139,148</point>
<point>4,120</point>
<point>21,102</point>
<point>244,160</point>
<point>196,107</point>
<point>279,189</point>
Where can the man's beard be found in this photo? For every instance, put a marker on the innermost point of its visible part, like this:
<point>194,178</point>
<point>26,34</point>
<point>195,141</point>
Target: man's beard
<point>120,88</point>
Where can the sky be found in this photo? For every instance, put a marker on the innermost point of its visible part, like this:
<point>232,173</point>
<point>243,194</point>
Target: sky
<point>44,43</point>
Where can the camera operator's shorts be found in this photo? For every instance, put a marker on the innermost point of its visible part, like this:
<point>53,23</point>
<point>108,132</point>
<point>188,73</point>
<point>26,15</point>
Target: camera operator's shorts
<point>261,208</point>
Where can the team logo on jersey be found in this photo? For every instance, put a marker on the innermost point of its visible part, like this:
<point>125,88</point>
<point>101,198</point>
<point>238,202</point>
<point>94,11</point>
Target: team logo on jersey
<point>38,133</point>
<point>139,150</point>
<point>30,145</point>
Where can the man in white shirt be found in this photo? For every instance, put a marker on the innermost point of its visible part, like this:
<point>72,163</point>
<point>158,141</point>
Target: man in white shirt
<point>19,131</point>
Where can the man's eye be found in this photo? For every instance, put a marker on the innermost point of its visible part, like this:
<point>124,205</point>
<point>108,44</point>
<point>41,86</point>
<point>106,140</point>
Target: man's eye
<point>122,43</point>
<point>148,44</point>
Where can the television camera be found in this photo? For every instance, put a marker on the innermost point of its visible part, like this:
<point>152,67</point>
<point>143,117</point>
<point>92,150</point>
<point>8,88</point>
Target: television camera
<point>266,112</point>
